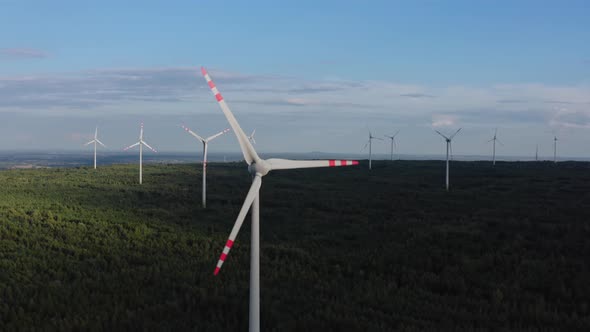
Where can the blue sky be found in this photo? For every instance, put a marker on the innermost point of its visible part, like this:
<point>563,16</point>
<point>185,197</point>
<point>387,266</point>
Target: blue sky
<point>310,75</point>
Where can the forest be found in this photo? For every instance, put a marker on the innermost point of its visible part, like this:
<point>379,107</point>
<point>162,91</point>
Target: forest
<point>342,249</point>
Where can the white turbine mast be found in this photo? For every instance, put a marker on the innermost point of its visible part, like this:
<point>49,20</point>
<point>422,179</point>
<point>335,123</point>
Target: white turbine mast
<point>95,141</point>
<point>141,144</point>
<point>555,149</point>
<point>449,147</point>
<point>370,144</point>
<point>494,139</point>
<point>205,142</point>
<point>258,168</point>
<point>393,143</point>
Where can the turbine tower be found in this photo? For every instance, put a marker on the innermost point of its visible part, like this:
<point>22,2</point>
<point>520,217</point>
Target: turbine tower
<point>494,139</point>
<point>537,153</point>
<point>95,141</point>
<point>554,149</point>
<point>141,144</point>
<point>393,142</point>
<point>258,168</point>
<point>370,144</point>
<point>205,142</point>
<point>449,147</point>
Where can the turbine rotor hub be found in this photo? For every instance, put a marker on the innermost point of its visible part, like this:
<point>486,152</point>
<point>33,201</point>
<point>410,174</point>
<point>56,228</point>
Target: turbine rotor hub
<point>260,167</point>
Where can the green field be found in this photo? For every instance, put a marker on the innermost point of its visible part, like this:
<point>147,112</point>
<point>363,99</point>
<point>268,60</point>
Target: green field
<point>342,249</point>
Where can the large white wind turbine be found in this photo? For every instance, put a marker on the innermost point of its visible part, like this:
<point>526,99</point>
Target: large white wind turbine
<point>554,149</point>
<point>95,141</point>
<point>494,139</point>
<point>141,144</point>
<point>205,142</point>
<point>449,147</point>
<point>370,144</point>
<point>393,142</point>
<point>258,168</point>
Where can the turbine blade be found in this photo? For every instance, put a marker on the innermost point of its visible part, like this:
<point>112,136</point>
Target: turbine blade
<point>99,142</point>
<point>89,143</point>
<point>193,133</point>
<point>210,138</point>
<point>250,154</point>
<point>131,146</point>
<point>278,164</point>
<point>497,140</point>
<point>252,193</point>
<point>96,132</point>
<point>451,148</point>
<point>438,132</point>
<point>147,146</point>
<point>141,132</point>
<point>366,144</point>
<point>397,132</point>
<point>458,130</point>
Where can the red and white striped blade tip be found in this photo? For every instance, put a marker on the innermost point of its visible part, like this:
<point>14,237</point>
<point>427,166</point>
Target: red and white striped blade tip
<point>334,163</point>
<point>212,86</point>
<point>223,256</point>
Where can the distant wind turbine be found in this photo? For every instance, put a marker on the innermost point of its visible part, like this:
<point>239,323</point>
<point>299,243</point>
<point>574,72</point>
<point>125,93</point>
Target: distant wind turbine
<point>251,137</point>
<point>370,144</point>
<point>258,168</point>
<point>393,142</point>
<point>449,147</point>
<point>95,141</point>
<point>537,153</point>
<point>205,142</point>
<point>141,144</point>
<point>554,149</point>
<point>494,139</point>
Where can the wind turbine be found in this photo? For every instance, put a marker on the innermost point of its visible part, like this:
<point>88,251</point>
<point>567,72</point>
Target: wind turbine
<point>251,137</point>
<point>258,168</point>
<point>95,141</point>
<point>205,142</point>
<point>494,139</point>
<point>554,149</point>
<point>370,144</point>
<point>141,144</point>
<point>449,147</point>
<point>392,138</point>
<point>537,153</point>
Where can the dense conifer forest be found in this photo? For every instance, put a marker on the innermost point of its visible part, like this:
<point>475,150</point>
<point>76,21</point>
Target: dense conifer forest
<point>508,248</point>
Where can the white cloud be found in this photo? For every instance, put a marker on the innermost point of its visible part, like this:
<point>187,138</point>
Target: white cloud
<point>440,120</point>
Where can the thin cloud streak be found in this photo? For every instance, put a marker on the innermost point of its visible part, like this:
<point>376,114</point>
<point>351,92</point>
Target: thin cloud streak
<point>22,53</point>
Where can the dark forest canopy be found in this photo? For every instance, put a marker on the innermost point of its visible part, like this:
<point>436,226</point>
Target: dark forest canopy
<point>342,249</point>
